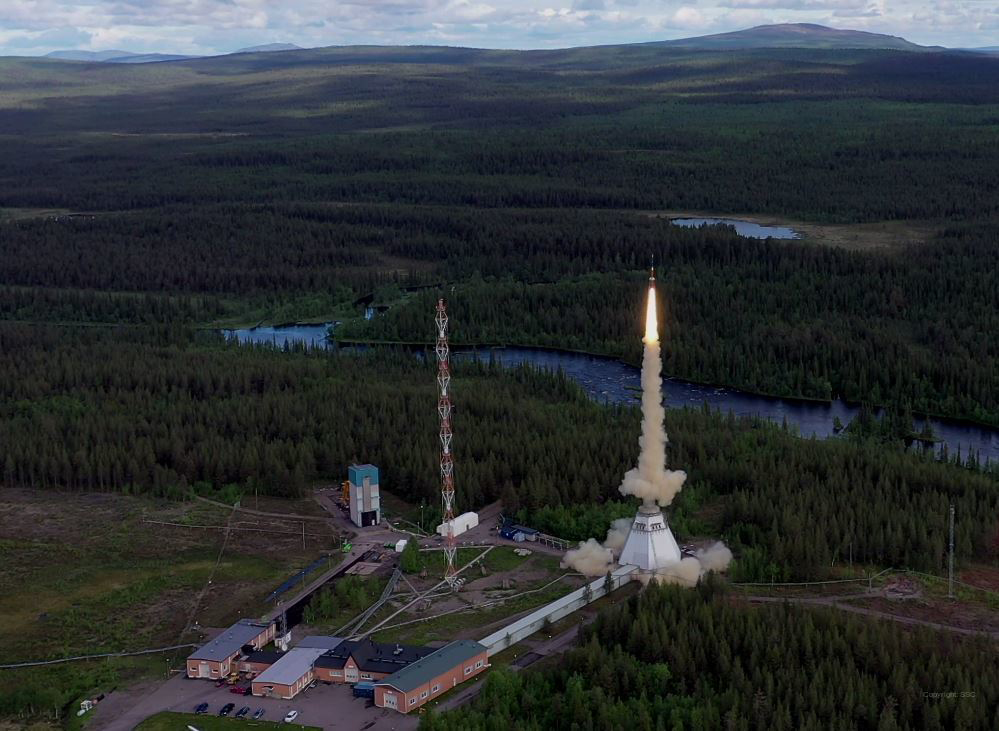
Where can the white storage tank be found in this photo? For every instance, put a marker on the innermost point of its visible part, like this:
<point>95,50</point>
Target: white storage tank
<point>461,524</point>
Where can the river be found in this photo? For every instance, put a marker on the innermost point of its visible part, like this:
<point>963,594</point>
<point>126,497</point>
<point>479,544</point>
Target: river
<point>610,381</point>
<point>743,228</point>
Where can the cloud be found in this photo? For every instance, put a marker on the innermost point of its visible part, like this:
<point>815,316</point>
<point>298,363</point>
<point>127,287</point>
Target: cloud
<point>62,37</point>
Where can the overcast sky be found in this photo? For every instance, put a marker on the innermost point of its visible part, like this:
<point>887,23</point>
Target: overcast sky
<point>32,27</point>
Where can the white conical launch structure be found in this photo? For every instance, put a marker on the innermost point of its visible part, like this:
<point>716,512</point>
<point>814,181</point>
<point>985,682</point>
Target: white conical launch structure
<point>650,544</point>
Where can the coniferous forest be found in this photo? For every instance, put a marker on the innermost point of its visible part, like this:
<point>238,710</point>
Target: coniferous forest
<point>166,410</point>
<point>144,207</point>
<point>683,660</point>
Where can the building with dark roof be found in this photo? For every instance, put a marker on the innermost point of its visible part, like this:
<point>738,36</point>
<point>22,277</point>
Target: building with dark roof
<point>355,660</point>
<point>431,675</point>
<point>217,658</point>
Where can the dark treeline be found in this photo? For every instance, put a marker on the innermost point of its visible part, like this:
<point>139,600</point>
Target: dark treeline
<point>681,660</point>
<point>154,411</point>
<point>837,161</point>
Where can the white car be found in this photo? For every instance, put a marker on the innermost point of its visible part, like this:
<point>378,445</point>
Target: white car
<point>292,715</point>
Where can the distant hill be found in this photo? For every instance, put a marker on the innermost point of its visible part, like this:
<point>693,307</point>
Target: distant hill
<point>149,58</point>
<point>796,35</point>
<point>89,55</point>
<point>268,47</point>
<point>115,56</point>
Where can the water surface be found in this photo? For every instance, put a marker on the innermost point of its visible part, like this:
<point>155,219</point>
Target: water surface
<point>610,381</point>
<point>743,228</point>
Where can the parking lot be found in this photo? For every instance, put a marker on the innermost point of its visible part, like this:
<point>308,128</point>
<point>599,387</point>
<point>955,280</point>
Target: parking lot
<point>326,706</point>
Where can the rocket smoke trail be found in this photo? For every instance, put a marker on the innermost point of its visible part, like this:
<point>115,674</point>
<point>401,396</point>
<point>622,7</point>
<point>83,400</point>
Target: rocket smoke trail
<point>650,480</point>
<point>656,486</point>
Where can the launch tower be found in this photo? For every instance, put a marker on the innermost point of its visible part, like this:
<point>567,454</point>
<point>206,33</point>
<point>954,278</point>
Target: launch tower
<point>650,544</point>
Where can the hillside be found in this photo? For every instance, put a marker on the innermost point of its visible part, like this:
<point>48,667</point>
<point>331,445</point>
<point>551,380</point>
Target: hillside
<point>796,35</point>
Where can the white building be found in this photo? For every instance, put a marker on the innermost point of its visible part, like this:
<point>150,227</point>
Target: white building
<point>461,524</point>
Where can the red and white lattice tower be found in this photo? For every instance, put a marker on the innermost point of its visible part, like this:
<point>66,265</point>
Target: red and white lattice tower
<point>447,462</point>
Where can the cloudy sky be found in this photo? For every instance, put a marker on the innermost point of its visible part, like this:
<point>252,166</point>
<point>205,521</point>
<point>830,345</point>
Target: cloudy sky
<point>32,27</point>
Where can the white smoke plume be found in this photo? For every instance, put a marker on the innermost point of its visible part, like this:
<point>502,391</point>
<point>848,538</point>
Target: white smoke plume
<point>617,534</point>
<point>590,559</point>
<point>686,572</point>
<point>650,480</point>
<point>715,557</point>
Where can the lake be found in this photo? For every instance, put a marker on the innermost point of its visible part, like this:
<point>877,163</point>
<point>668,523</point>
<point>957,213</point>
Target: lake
<point>610,381</point>
<point>743,228</point>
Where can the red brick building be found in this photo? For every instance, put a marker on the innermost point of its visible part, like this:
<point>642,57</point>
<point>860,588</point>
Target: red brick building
<point>288,676</point>
<point>431,676</point>
<point>218,657</point>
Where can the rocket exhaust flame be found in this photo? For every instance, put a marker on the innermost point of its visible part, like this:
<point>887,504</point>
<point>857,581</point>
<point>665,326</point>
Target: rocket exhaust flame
<point>651,324</point>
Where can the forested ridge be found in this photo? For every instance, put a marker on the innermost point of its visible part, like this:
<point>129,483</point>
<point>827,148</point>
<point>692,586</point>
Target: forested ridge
<point>165,410</point>
<point>168,197</point>
<point>674,659</point>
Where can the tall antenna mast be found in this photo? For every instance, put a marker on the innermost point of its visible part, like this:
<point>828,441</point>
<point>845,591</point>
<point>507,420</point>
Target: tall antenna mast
<point>447,462</point>
<point>950,572</point>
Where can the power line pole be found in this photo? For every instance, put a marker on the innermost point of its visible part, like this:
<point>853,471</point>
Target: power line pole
<point>950,580</point>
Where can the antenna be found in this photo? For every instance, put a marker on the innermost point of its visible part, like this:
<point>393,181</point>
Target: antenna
<point>447,462</point>
<point>950,578</point>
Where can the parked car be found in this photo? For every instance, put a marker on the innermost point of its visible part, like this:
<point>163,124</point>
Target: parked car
<point>236,689</point>
<point>258,714</point>
<point>241,713</point>
<point>226,709</point>
<point>248,690</point>
<point>220,682</point>
<point>201,708</point>
<point>292,715</point>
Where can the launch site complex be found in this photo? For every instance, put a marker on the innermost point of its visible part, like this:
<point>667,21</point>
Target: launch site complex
<point>276,665</point>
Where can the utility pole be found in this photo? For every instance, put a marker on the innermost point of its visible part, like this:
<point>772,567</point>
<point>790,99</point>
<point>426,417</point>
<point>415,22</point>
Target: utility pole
<point>950,578</point>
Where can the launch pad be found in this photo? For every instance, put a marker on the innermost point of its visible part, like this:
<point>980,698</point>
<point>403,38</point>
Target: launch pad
<point>650,544</point>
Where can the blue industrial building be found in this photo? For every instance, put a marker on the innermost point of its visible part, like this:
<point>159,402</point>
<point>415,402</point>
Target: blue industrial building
<point>365,502</point>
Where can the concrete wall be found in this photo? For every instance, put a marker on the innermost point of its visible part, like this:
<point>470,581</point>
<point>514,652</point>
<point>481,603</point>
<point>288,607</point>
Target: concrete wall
<point>527,626</point>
